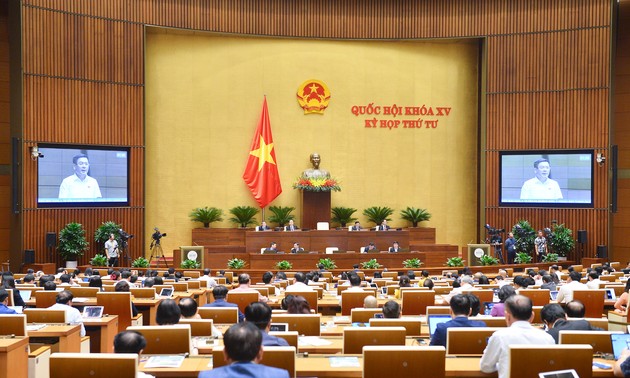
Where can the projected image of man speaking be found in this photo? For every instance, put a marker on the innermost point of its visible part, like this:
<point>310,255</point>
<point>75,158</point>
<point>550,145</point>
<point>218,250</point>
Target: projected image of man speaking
<point>80,185</point>
<point>541,187</point>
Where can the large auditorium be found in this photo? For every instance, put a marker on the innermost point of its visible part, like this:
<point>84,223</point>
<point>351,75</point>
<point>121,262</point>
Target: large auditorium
<point>275,188</point>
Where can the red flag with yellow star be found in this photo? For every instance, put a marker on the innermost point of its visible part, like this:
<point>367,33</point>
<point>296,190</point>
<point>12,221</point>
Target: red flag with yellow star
<point>261,172</point>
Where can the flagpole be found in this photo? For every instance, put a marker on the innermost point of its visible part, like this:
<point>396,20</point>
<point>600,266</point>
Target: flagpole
<point>263,214</point>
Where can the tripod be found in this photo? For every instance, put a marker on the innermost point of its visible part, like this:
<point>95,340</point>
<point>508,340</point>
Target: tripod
<point>124,255</point>
<point>157,252</point>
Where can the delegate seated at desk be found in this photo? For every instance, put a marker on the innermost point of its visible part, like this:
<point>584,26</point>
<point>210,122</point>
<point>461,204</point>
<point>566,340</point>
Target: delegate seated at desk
<point>273,247</point>
<point>291,226</point>
<point>395,248</point>
<point>296,248</point>
<point>263,227</point>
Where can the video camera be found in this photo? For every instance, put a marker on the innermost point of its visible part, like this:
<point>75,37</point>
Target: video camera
<point>124,237</point>
<point>493,231</point>
<point>157,235</point>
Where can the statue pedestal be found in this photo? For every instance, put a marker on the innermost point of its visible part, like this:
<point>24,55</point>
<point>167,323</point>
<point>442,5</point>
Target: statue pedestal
<point>315,208</point>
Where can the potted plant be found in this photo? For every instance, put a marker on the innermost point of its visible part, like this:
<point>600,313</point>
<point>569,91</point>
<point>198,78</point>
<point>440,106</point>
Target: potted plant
<point>72,243</point>
<point>342,215</point>
<point>243,215</point>
<point>101,235</point>
<point>522,258</point>
<point>140,262</point>
<point>562,241</point>
<point>206,215</point>
<point>327,263</point>
<point>488,260</point>
<point>99,260</point>
<point>412,263</point>
<point>454,261</point>
<point>281,214</point>
<point>371,264</point>
<point>415,216</point>
<point>190,264</point>
<point>378,214</point>
<point>236,263</point>
<point>550,258</point>
<point>283,265</point>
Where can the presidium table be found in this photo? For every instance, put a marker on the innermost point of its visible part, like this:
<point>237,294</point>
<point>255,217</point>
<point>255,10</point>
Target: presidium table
<point>222,244</point>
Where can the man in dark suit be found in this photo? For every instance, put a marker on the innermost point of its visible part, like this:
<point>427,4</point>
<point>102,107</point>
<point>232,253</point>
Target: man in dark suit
<point>356,227</point>
<point>243,351</point>
<point>291,226</point>
<point>556,320</point>
<point>370,247</point>
<point>259,314</point>
<point>383,226</point>
<point>460,309</point>
<point>296,248</point>
<point>263,227</point>
<point>273,247</point>
<point>395,248</point>
<point>220,292</point>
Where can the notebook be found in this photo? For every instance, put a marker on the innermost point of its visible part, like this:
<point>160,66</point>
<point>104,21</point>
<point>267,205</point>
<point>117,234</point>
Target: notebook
<point>93,312</point>
<point>436,319</point>
<point>26,295</point>
<point>553,294</point>
<point>279,327</point>
<point>620,341</point>
<point>559,374</point>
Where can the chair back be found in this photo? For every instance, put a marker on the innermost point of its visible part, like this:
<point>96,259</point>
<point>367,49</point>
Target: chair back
<point>599,340</point>
<point>14,324</point>
<point>199,327</point>
<point>442,290</point>
<point>116,303</point>
<point>278,357</point>
<point>44,298</point>
<point>44,315</point>
<point>180,286</point>
<point>390,275</point>
<point>242,299</point>
<point>529,360</point>
<point>352,299</point>
<point>403,361</point>
<point>469,342</point>
<point>84,292</point>
<point>416,302</point>
<point>10,298</point>
<point>171,339</point>
<point>596,322</point>
<point>304,324</point>
<point>96,365</point>
<point>195,284</point>
<point>309,295</point>
<point>363,315</point>
<point>290,336</point>
<point>593,301</point>
<point>354,339</point>
<point>495,321</point>
<point>539,297</point>
<point>220,315</point>
<point>109,288</point>
<point>438,310</point>
<point>264,291</point>
<point>483,295</point>
<point>192,273</point>
<point>412,325</point>
<point>391,289</point>
<point>143,292</point>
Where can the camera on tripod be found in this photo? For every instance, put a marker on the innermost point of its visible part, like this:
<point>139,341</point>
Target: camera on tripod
<point>493,231</point>
<point>124,236</point>
<point>157,235</point>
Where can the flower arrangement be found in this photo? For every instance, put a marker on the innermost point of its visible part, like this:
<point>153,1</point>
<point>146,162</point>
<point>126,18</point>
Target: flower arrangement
<point>317,184</point>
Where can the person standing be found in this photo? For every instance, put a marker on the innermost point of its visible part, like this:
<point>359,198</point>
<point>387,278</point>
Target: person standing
<point>510,247</point>
<point>111,249</point>
<point>541,245</point>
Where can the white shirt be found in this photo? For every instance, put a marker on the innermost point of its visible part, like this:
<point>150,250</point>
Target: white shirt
<point>565,292</point>
<point>535,189</point>
<point>496,357</point>
<point>211,282</point>
<point>298,286</point>
<point>74,187</point>
<point>73,316</point>
<point>594,284</point>
<point>111,246</point>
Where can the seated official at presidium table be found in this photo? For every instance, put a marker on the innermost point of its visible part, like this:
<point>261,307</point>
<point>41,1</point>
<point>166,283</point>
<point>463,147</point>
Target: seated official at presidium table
<point>80,185</point>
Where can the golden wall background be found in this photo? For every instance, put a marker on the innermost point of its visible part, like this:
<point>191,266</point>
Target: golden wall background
<point>204,96</point>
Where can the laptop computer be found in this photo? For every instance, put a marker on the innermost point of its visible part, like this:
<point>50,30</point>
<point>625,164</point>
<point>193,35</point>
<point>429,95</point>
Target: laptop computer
<point>559,374</point>
<point>26,295</point>
<point>279,327</point>
<point>93,312</point>
<point>553,295</point>
<point>619,341</point>
<point>434,320</point>
<point>487,307</point>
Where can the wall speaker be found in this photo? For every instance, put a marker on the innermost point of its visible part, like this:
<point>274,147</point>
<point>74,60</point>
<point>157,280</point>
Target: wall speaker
<point>29,256</point>
<point>51,240</point>
<point>602,251</point>
<point>582,236</point>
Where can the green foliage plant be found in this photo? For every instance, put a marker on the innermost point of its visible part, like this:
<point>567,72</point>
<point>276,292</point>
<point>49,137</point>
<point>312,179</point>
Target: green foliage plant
<point>72,242</point>
<point>342,215</point>
<point>140,262</point>
<point>562,241</point>
<point>190,264</point>
<point>99,260</point>
<point>370,264</point>
<point>378,214</point>
<point>550,257</point>
<point>283,265</point>
<point>415,215</point>
<point>236,263</point>
<point>412,263</point>
<point>281,215</point>
<point>454,261</point>
<point>243,215</point>
<point>327,263</point>
<point>522,258</point>
<point>206,215</point>
<point>488,260</point>
<point>524,235</point>
<point>101,235</point>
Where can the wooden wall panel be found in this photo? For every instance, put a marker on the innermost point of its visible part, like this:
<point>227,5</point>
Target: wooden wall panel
<point>548,76</point>
<point>72,111</point>
<point>5,135</point>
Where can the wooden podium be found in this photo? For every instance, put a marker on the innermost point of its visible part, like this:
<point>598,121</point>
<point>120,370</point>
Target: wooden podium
<point>315,208</point>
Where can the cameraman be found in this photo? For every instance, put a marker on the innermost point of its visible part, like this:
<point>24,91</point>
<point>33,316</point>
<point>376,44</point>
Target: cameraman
<point>510,247</point>
<point>111,249</point>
